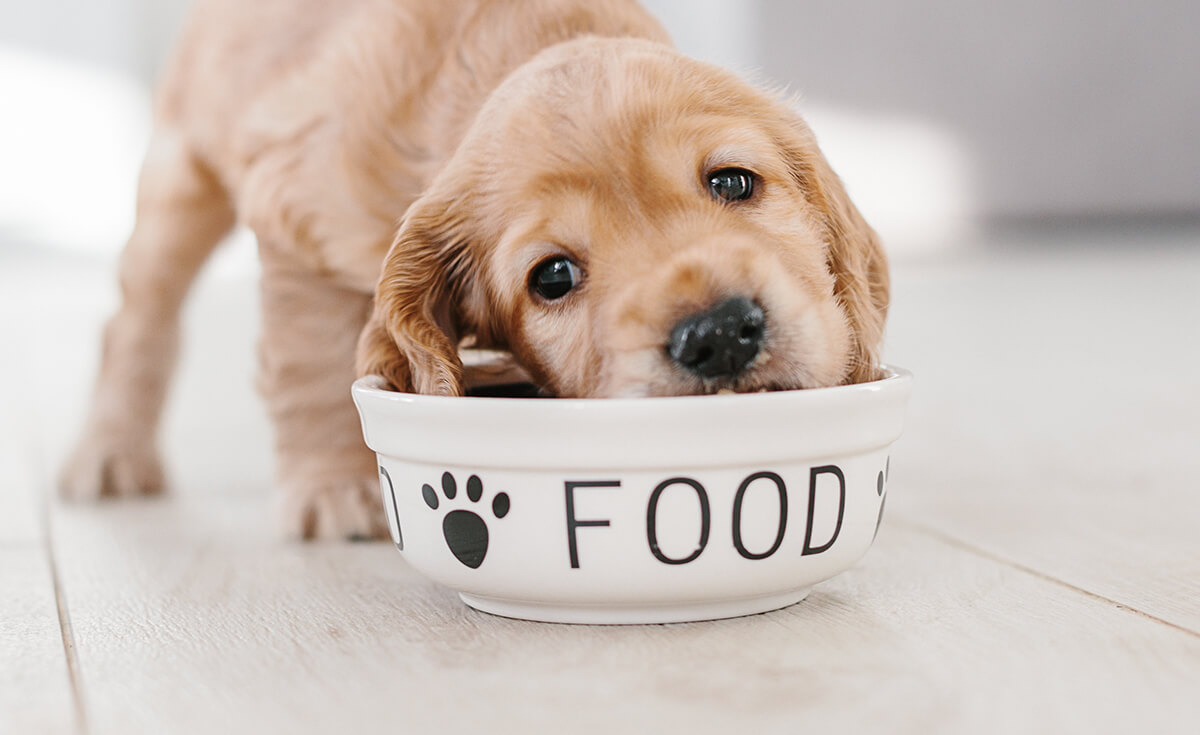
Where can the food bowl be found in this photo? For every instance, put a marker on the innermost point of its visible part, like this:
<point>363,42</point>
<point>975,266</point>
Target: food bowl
<point>648,510</point>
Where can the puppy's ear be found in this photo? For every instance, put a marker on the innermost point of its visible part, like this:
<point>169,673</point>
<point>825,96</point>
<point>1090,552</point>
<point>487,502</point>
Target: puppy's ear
<point>412,337</point>
<point>855,256</point>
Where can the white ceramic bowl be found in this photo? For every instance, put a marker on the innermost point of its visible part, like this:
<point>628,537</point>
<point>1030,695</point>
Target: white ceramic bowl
<point>646,510</point>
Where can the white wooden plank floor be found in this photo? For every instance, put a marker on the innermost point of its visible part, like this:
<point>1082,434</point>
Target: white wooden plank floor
<point>35,684</point>
<point>1038,569</point>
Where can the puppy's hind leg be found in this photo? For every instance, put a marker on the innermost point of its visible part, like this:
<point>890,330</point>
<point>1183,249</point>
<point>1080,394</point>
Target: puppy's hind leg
<point>182,213</point>
<point>328,478</point>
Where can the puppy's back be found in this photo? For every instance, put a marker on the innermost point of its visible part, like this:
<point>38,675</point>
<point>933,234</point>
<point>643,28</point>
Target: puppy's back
<point>420,68</point>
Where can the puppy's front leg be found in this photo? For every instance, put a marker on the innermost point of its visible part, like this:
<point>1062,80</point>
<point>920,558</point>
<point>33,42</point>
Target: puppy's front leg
<point>329,487</point>
<point>182,213</point>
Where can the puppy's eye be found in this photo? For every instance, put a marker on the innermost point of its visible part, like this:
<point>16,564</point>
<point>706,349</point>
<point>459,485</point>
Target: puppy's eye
<point>731,184</point>
<point>554,278</point>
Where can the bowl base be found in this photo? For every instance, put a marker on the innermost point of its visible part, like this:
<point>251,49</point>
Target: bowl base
<point>648,614</point>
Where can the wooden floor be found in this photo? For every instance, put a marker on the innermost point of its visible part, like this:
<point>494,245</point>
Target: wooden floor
<point>1038,569</point>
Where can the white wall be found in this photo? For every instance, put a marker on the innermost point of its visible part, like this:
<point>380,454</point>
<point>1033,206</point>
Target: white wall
<point>1071,107</point>
<point>126,36</point>
<point>722,32</point>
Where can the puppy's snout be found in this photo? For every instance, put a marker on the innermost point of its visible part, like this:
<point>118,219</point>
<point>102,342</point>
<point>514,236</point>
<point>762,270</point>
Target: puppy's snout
<point>720,342</point>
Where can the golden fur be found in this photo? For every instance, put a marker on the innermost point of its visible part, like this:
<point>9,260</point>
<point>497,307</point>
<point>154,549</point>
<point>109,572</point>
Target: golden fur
<point>497,133</point>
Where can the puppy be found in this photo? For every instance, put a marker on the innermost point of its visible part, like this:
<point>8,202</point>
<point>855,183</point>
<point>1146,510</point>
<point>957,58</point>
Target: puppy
<point>623,220</point>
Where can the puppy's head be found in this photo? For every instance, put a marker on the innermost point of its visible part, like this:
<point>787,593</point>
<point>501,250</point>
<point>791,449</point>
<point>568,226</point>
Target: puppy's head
<point>627,221</point>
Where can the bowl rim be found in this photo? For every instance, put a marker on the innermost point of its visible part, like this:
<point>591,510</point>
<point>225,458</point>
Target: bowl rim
<point>645,433</point>
<point>369,387</point>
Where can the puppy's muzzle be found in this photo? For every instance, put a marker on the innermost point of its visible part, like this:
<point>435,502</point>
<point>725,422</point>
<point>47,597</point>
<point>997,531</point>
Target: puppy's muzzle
<point>720,342</point>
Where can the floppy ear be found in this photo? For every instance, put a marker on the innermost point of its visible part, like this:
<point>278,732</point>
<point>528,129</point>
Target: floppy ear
<point>412,337</point>
<point>855,256</point>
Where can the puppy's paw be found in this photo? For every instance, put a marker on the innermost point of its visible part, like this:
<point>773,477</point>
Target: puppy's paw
<point>329,510</point>
<point>109,466</point>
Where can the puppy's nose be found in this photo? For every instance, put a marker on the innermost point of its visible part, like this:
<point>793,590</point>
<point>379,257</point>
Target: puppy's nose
<point>720,342</point>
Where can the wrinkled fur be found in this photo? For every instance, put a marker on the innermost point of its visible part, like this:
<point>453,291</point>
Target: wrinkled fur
<point>405,164</point>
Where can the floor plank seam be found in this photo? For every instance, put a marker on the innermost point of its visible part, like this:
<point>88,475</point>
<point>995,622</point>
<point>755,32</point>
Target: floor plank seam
<point>965,546</point>
<point>64,618</point>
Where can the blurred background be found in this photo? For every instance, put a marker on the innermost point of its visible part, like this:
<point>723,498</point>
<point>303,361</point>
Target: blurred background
<point>943,117</point>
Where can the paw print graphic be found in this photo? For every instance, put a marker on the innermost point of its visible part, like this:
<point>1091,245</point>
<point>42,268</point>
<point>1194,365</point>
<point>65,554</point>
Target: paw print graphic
<point>465,531</point>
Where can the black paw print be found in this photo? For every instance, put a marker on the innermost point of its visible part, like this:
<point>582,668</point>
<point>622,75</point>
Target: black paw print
<point>465,531</point>
<point>880,486</point>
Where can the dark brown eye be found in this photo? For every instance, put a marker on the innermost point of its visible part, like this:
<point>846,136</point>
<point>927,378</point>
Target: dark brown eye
<point>731,184</point>
<point>554,278</point>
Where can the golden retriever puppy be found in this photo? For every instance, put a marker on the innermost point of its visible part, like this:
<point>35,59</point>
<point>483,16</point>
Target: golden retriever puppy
<point>624,220</point>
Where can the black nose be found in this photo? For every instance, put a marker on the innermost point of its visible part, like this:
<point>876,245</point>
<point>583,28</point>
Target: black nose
<point>720,342</point>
